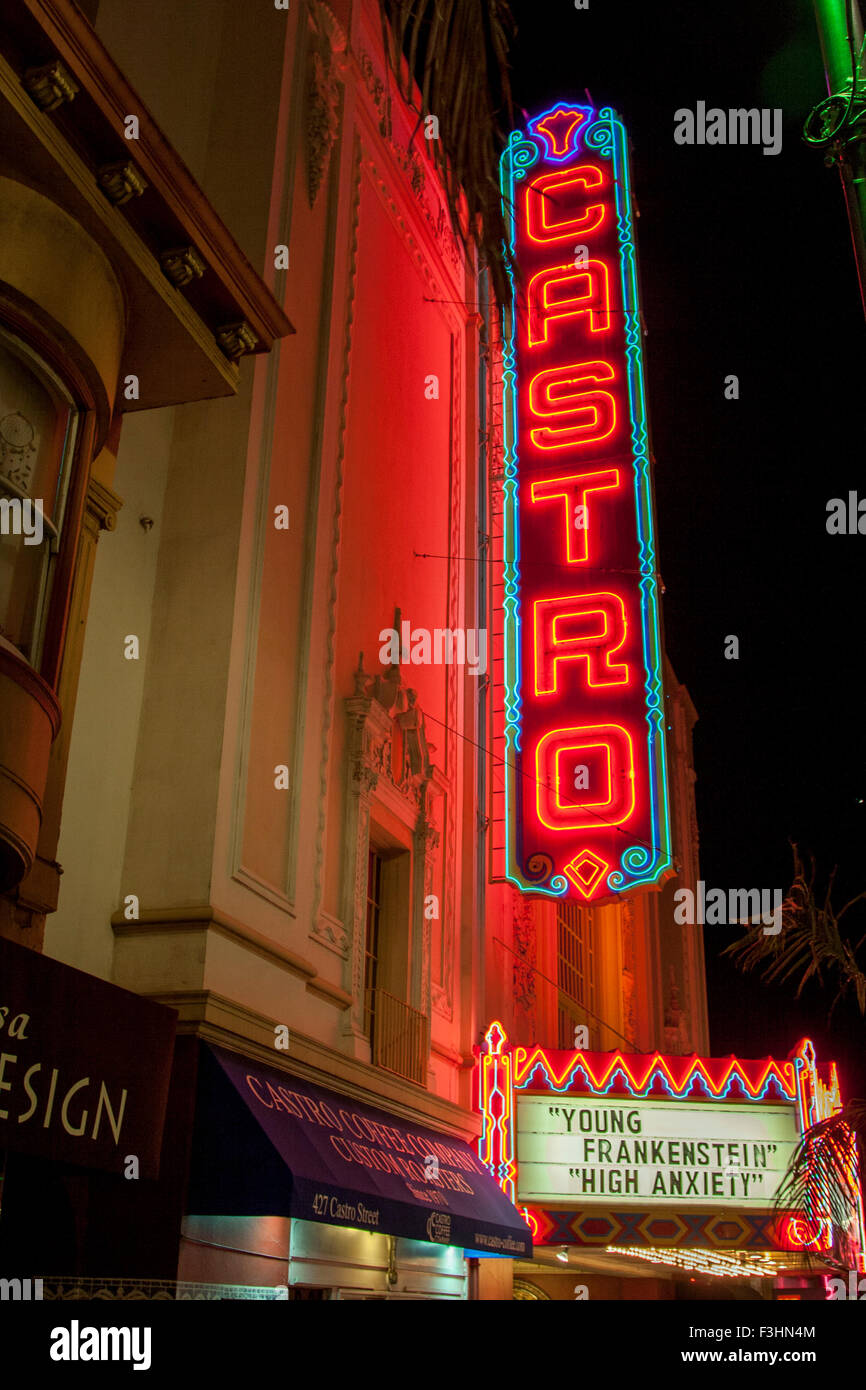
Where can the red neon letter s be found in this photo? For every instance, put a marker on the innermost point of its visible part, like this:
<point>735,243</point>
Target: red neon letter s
<point>596,647</point>
<point>574,491</point>
<point>557,395</point>
<point>546,195</point>
<point>590,294</point>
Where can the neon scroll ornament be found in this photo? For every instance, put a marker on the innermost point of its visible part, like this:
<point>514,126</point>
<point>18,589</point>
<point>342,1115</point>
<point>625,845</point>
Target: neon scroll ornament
<point>582,719</point>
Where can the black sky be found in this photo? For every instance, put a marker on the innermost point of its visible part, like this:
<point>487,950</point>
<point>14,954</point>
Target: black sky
<point>746,268</point>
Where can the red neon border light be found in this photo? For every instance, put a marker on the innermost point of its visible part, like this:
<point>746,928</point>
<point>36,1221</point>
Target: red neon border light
<point>504,1070</point>
<point>578,636</point>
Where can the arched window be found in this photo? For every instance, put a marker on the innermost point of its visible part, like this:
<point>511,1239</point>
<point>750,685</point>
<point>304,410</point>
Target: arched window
<point>38,429</point>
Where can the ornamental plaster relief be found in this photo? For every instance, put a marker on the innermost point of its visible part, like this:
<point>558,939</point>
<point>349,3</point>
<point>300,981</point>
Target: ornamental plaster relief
<point>389,762</point>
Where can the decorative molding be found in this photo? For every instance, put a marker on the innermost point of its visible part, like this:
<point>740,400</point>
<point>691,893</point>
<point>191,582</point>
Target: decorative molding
<point>523,969</point>
<point>271,892</point>
<point>322,125</point>
<point>236,339</point>
<point>412,165</point>
<point>106,98</point>
<point>120,181</point>
<point>445,999</point>
<point>419,255</point>
<point>50,85</point>
<point>449,1054</point>
<point>336,533</point>
<point>369,755</point>
<point>381,99</point>
<point>181,264</point>
<point>332,994</point>
<point>331,933</point>
<point>388,753</point>
<point>222,1021</point>
<point>103,505</point>
<point>203,918</point>
<point>171,331</point>
<point>676,1018</point>
<point>629,1001</point>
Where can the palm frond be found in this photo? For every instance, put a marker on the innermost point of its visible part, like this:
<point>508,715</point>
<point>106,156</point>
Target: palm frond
<point>457,52</point>
<point>823,1175</point>
<point>809,944</point>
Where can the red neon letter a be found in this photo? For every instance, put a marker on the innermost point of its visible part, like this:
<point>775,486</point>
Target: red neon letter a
<point>564,292</point>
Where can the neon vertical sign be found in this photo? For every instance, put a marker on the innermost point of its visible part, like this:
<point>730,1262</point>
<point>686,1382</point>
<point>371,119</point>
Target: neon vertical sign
<point>586,801</point>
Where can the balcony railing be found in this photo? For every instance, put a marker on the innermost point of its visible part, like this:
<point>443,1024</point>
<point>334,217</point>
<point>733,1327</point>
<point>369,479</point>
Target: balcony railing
<point>399,1036</point>
<point>114,1288</point>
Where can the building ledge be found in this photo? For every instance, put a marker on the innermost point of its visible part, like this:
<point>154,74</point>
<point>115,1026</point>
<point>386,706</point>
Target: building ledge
<point>195,303</point>
<point>213,1018</point>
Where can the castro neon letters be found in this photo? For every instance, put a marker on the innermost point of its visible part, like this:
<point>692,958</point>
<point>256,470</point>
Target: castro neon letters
<point>584,729</point>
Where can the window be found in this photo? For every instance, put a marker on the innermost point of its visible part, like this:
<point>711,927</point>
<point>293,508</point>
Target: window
<point>371,947</point>
<point>398,1033</point>
<point>38,428</point>
<point>575,972</point>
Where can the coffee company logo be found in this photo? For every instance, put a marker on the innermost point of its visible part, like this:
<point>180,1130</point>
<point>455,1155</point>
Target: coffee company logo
<point>439,1227</point>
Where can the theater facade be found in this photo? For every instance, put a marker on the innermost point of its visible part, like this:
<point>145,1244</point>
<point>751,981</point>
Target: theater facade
<point>285,443</point>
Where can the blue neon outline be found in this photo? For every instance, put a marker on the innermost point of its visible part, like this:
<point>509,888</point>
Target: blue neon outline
<point>605,138</point>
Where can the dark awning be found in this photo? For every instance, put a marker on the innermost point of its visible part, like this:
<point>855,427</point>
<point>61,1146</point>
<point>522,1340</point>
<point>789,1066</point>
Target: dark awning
<point>270,1144</point>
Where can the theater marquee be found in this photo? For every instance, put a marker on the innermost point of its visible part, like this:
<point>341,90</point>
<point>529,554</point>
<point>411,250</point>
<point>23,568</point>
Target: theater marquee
<point>579,733</point>
<point>638,1149</point>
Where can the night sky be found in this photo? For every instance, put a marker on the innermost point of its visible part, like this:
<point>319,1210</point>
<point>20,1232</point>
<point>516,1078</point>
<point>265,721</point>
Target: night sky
<point>746,268</point>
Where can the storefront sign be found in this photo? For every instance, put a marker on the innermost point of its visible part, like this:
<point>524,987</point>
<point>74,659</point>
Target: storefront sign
<point>581,743</point>
<point>268,1143</point>
<point>84,1066</point>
